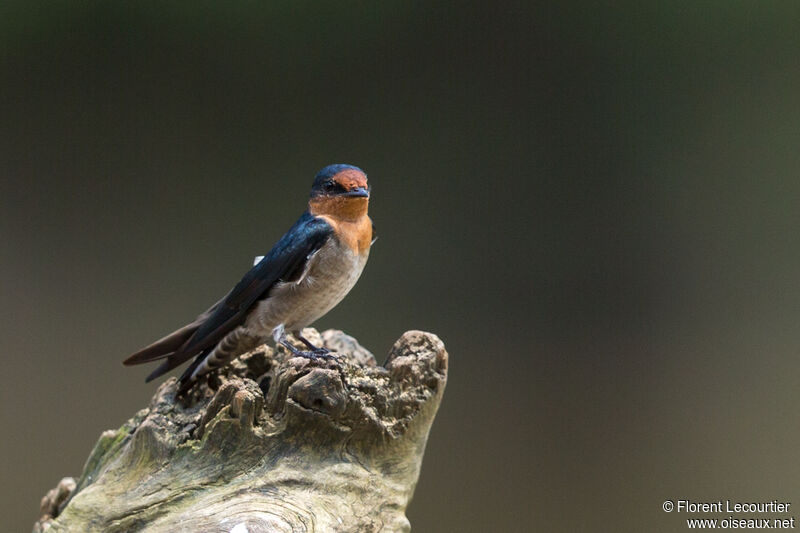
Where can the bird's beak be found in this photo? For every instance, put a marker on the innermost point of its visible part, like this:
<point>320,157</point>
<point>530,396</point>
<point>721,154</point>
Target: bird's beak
<point>360,192</point>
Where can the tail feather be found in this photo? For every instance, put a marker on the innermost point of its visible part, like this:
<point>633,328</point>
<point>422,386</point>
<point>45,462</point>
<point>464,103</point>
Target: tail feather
<point>171,344</point>
<point>163,347</point>
<point>181,345</point>
<point>175,360</point>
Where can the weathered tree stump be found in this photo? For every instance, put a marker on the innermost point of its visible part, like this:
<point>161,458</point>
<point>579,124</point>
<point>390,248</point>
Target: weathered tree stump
<point>273,443</point>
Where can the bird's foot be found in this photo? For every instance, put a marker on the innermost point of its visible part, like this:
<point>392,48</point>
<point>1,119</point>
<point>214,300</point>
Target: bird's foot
<point>315,354</point>
<point>320,353</point>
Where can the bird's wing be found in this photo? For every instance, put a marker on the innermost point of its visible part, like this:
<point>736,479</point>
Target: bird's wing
<point>284,262</point>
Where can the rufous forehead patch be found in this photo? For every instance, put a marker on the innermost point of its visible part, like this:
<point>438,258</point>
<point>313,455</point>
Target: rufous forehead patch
<point>350,179</point>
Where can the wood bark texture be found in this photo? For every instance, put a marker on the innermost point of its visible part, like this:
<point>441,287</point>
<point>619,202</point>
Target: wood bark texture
<point>273,443</point>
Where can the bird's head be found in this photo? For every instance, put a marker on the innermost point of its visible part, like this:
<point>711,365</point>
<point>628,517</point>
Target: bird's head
<point>341,191</point>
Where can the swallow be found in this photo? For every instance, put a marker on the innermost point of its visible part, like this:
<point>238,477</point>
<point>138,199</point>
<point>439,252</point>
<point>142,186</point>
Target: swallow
<point>305,275</point>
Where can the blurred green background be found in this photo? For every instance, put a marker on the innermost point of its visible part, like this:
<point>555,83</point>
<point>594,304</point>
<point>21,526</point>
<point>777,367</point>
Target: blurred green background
<point>594,205</point>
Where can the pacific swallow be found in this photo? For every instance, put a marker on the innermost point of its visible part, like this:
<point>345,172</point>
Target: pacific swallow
<point>308,271</point>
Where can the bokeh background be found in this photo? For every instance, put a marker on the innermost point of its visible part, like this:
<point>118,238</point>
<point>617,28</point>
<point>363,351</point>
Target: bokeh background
<point>594,205</point>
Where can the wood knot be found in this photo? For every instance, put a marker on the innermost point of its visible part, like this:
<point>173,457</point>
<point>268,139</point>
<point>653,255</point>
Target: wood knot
<point>320,390</point>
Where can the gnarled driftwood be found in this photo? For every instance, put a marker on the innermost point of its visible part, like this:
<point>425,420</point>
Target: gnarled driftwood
<point>273,443</point>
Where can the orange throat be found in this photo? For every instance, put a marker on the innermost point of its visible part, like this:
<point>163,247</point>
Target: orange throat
<point>348,218</point>
<point>340,208</point>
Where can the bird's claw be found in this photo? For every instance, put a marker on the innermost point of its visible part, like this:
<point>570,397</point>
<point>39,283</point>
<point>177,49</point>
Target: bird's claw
<point>314,354</point>
<point>321,353</point>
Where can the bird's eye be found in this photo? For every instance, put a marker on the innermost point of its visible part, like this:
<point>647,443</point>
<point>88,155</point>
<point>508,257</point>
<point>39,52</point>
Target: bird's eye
<point>333,186</point>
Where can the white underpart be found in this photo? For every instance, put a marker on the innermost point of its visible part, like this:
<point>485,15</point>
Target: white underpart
<point>330,274</point>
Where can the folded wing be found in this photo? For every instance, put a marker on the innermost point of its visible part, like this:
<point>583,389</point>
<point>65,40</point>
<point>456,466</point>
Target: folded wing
<point>284,262</point>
